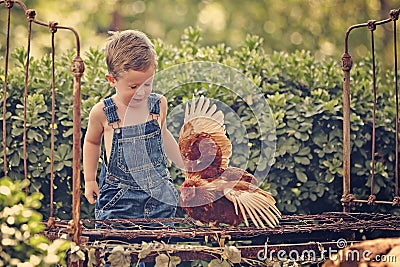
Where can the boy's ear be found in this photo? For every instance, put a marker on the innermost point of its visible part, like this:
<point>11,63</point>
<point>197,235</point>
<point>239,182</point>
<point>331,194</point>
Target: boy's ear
<point>110,79</point>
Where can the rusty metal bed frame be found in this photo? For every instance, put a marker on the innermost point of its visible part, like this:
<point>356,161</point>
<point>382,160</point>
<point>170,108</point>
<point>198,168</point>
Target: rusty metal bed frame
<point>348,198</point>
<point>181,236</point>
<point>77,70</point>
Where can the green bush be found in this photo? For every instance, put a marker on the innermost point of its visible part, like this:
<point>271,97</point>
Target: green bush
<point>305,96</point>
<point>21,225</point>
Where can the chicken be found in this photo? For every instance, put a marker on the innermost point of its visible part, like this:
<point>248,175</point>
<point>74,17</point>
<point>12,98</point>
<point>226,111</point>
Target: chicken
<point>214,193</point>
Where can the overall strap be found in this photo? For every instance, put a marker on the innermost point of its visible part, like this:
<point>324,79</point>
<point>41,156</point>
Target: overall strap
<point>110,109</point>
<point>154,104</point>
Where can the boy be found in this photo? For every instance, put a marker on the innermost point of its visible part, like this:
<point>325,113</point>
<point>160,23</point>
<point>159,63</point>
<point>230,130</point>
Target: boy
<point>134,180</point>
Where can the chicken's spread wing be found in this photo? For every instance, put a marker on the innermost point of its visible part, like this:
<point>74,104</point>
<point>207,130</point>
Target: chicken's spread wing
<point>202,139</point>
<point>254,203</point>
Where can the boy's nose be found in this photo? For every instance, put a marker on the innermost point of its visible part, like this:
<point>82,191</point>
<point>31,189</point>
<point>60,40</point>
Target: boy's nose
<point>140,92</point>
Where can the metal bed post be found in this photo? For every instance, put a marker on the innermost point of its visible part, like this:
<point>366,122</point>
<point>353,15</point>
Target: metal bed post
<point>348,198</point>
<point>75,228</point>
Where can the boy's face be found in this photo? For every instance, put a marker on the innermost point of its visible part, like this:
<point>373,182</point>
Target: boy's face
<point>133,87</point>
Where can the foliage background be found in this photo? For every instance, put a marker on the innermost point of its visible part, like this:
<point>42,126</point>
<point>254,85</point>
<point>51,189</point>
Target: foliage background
<point>21,225</point>
<point>304,94</point>
<point>295,65</point>
<point>318,26</point>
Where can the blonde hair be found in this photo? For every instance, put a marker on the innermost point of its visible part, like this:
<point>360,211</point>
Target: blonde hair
<point>129,50</point>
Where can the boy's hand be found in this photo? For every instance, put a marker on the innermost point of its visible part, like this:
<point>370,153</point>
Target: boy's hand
<point>91,191</point>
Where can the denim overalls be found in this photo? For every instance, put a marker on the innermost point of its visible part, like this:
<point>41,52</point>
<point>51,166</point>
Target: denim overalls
<point>136,183</point>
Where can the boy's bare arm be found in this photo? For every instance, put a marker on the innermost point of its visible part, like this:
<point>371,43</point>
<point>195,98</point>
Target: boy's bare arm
<point>171,146</point>
<point>172,149</point>
<point>91,154</point>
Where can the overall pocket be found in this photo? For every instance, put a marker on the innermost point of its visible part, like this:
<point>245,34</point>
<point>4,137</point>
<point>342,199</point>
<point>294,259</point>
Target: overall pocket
<point>140,152</point>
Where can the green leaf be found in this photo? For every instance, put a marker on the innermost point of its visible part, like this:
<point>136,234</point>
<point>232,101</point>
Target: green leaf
<point>145,250</point>
<point>15,159</point>
<point>302,160</point>
<point>119,257</point>
<point>218,263</point>
<point>76,253</point>
<point>162,260</point>
<point>302,136</point>
<point>290,208</point>
<point>304,151</point>
<point>232,254</point>
<point>329,178</point>
<point>313,197</point>
<point>301,176</point>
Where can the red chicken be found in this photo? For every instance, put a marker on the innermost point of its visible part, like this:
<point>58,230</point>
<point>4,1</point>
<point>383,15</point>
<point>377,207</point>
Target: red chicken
<point>214,193</point>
